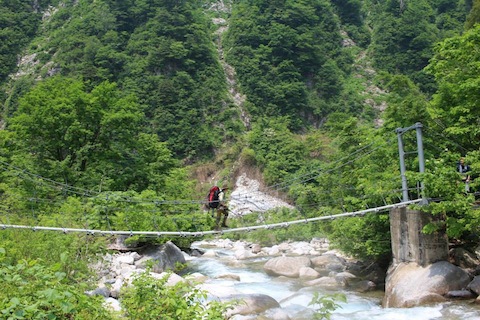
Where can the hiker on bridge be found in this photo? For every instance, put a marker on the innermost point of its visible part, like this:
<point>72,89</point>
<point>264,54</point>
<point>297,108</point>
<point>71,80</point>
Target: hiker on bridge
<point>216,200</point>
<point>222,208</point>
<point>464,170</point>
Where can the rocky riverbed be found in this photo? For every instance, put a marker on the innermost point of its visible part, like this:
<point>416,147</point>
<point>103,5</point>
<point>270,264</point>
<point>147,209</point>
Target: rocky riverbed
<point>312,263</point>
<point>278,282</point>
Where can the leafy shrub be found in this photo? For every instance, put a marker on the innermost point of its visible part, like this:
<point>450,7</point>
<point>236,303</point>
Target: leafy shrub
<point>248,156</point>
<point>33,291</point>
<point>151,298</point>
<point>326,304</point>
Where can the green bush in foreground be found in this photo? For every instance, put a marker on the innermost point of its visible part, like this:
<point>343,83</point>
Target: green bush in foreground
<point>325,305</point>
<point>151,298</point>
<point>32,291</point>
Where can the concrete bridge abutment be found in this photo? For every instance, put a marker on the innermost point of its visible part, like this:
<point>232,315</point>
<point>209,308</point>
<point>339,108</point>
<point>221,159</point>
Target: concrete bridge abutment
<point>410,244</point>
<point>420,272</point>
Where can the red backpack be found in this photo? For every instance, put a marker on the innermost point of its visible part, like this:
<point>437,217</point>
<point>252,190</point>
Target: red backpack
<point>212,197</point>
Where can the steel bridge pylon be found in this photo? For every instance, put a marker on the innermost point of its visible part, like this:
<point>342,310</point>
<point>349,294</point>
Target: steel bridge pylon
<point>409,242</point>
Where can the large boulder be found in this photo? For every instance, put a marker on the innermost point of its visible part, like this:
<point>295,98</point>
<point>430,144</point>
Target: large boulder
<point>474,286</point>
<point>243,254</point>
<point>329,262</point>
<point>286,266</point>
<point>409,284</point>
<point>246,304</point>
<point>166,257</point>
<point>463,258</point>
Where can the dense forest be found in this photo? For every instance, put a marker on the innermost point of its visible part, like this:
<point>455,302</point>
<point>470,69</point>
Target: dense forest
<point>114,112</point>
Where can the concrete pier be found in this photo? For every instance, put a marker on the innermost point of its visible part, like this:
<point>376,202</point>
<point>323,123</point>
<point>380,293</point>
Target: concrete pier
<point>410,244</point>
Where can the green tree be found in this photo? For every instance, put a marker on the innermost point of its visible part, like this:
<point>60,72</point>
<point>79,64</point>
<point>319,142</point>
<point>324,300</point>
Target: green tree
<point>455,67</point>
<point>173,70</point>
<point>407,105</point>
<point>91,138</point>
<point>352,14</point>
<point>276,149</point>
<point>19,21</point>
<point>473,17</point>
<point>84,41</point>
<point>325,305</point>
<point>460,220</point>
<point>402,39</point>
<point>281,51</point>
<point>450,17</point>
<point>360,171</point>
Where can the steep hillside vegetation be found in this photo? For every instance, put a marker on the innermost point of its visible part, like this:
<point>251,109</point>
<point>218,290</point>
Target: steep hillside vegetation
<point>122,100</point>
<point>159,51</point>
<point>288,57</point>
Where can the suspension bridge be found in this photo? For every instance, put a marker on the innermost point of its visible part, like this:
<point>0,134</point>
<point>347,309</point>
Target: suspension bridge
<point>285,224</point>
<point>154,204</point>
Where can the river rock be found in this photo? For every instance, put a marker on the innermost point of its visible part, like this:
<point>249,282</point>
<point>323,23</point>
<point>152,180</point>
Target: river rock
<point>116,287</point>
<point>272,251</point>
<point>308,273</point>
<point>112,304</point>
<point>217,292</point>
<point>343,275</point>
<point>172,280</point>
<point>286,266</point>
<point>464,258</point>
<point>250,304</point>
<point>256,248</point>
<point>210,254</point>
<point>126,259</point>
<point>126,270</point>
<point>460,294</point>
<point>284,247</point>
<point>229,276</point>
<point>166,256</point>
<point>101,291</point>
<point>325,282</point>
<point>196,277</point>
<point>328,260</point>
<point>301,248</point>
<point>474,286</point>
<point>477,252</point>
<point>242,254</point>
<point>275,314</point>
<point>345,278</point>
<point>320,244</point>
<point>409,284</point>
<point>364,286</point>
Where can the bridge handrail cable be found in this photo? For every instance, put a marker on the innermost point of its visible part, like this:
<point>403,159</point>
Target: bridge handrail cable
<point>211,232</point>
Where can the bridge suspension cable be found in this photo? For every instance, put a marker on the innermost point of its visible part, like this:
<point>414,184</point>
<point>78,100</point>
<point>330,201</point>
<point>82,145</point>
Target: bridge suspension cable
<point>210,232</point>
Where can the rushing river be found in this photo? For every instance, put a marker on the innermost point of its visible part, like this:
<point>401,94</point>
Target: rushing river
<point>294,298</point>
